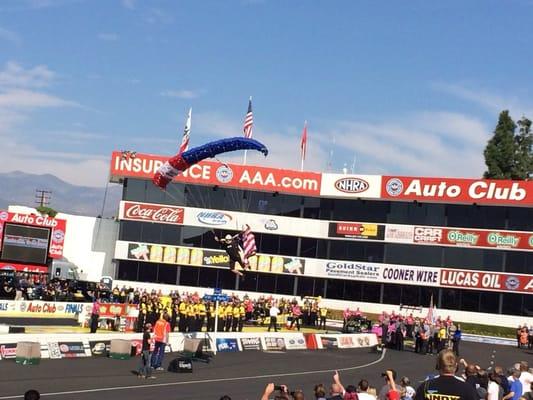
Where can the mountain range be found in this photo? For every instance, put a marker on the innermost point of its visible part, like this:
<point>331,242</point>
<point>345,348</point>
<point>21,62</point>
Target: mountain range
<point>19,188</point>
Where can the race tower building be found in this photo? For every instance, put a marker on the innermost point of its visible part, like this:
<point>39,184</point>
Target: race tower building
<point>375,239</point>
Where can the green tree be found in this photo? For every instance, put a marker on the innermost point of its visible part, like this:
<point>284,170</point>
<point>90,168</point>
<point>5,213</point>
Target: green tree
<point>47,211</point>
<point>501,149</point>
<point>523,157</point>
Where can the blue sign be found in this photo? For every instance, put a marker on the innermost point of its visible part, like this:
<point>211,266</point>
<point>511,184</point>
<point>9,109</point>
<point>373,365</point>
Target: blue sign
<point>216,297</point>
<point>227,345</point>
<point>217,291</point>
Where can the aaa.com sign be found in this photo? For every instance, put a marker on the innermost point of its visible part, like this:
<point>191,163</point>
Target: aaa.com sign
<point>58,228</point>
<point>453,190</point>
<point>144,166</point>
<point>495,281</point>
<point>146,212</point>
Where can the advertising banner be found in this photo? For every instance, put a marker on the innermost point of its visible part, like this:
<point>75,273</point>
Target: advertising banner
<point>58,228</point>
<point>206,257</point>
<point>251,343</point>
<point>295,342</point>
<point>455,190</point>
<point>23,267</point>
<point>275,344</point>
<point>352,186</point>
<point>39,308</point>
<point>226,345</point>
<point>100,348</point>
<point>111,310</point>
<point>329,342</point>
<point>480,280</point>
<point>8,350</point>
<point>144,166</point>
<point>357,230</point>
<point>67,349</point>
<point>147,212</point>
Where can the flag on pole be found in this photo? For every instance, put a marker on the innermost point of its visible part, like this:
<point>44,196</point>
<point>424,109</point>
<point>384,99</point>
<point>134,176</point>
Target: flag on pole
<point>249,121</point>
<point>431,312</point>
<point>303,145</point>
<point>248,243</point>
<point>186,133</point>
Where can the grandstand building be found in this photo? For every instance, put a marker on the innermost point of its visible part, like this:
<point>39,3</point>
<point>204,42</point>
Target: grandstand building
<point>466,243</point>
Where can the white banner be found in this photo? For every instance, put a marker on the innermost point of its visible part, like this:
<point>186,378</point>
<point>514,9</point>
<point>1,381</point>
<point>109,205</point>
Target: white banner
<point>352,186</point>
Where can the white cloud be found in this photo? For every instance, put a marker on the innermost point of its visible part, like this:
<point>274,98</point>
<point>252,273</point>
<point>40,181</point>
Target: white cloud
<point>10,36</point>
<point>14,75</point>
<point>108,37</point>
<point>158,16</point>
<point>21,98</point>
<point>182,94</point>
<point>491,102</point>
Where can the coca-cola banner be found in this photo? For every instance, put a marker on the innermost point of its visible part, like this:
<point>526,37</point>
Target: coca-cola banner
<point>146,212</point>
<point>455,190</point>
<point>58,228</point>
<point>144,166</point>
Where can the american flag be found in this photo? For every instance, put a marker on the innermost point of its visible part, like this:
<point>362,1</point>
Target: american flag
<point>431,312</point>
<point>249,121</point>
<point>186,134</point>
<point>248,243</point>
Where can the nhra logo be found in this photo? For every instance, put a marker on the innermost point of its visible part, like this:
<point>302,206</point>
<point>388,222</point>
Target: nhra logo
<point>271,225</point>
<point>58,235</point>
<point>394,187</point>
<point>512,283</point>
<point>224,174</point>
<point>213,218</point>
<point>351,185</point>
<point>3,216</point>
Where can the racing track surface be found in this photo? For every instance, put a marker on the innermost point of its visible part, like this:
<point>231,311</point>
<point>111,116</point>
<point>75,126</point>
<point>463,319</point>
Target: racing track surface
<point>241,375</point>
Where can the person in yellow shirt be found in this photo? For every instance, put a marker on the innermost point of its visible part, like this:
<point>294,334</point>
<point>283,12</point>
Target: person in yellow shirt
<point>229,317</point>
<point>236,317</point>
<point>191,317</point>
<point>221,317</point>
<point>242,316</point>
<point>182,309</point>
<point>200,317</point>
<point>210,309</point>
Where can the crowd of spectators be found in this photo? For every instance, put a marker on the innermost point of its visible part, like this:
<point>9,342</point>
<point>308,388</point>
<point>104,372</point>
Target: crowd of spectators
<point>456,379</point>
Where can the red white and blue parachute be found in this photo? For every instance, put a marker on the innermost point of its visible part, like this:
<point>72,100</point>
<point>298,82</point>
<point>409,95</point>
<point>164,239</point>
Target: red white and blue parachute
<point>181,162</point>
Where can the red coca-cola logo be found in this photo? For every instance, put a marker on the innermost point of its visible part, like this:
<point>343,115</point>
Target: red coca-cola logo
<point>153,213</point>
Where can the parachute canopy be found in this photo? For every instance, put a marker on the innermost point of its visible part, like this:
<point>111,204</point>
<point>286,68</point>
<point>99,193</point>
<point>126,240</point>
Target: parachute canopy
<point>181,162</point>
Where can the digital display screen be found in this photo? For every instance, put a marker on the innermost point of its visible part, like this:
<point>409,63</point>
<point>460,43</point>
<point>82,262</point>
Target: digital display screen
<point>25,243</point>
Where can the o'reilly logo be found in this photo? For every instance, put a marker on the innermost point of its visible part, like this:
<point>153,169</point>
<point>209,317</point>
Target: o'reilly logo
<point>351,185</point>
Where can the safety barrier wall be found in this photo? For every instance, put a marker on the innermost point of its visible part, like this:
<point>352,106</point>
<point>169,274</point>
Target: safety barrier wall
<point>96,345</point>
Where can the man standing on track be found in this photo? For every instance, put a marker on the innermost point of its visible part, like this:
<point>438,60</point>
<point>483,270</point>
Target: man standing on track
<point>273,313</point>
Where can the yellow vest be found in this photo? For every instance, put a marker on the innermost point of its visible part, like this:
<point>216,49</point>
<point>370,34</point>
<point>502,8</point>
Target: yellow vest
<point>236,312</point>
<point>183,308</point>
<point>229,311</point>
<point>201,309</point>
<point>323,312</point>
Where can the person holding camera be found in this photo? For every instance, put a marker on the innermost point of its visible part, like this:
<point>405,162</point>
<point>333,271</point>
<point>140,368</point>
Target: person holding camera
<point>390,386</point>
<point>446,384</point>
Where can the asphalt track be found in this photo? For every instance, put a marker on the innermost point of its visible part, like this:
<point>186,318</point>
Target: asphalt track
<point>241,375</point>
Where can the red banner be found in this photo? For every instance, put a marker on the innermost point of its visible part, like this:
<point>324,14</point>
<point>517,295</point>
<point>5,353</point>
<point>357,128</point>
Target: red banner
<point>159,213</point>
<point>59,228</point>
<point>23,267</point>
<point>495,281</point>
<point>455,190</point>
<point>144,166</point>
<point>465,237</point>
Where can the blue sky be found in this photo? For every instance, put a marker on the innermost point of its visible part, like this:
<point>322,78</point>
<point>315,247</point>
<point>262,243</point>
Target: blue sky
<point>409,88</point>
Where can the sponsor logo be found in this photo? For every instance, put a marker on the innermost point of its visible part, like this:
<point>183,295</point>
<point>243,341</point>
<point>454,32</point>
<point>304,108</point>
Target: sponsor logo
<point>271,225</point>
<point>531,241</point>
<point>397,233</point>
<point>354,229</point>
<point>497,239</point>
<point>427,235</point>
<point>64,348</point>
<point>214,218</point>
<point>352,270</point>
<point>224,174</point>
<point>99,348</point>
<point>351,185</point>
<point>8,350</point>
<point>4,215</point>
<point>512,282</point>
<point>58,235</point>
<point>153,213</point>
<point>394,187</point>
<point>462,238</point>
